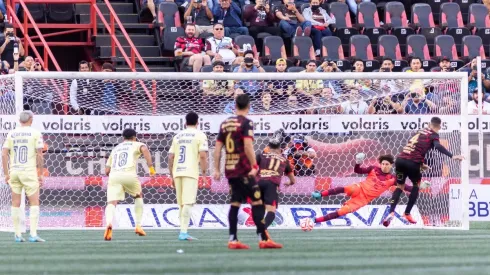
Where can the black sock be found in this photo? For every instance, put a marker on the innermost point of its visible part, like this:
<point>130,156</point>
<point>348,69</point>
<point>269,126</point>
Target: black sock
<point>269,218</point>
<point>233,222</point>
<point>258,212</point>
<point>394,199</point>
<point>412,199</point>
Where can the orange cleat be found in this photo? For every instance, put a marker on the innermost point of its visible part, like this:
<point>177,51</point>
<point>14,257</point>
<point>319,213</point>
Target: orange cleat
<point>108,233</point>
<point>237,245</point>
<point>269,244</point>
<point>139,231</point>
<point>409,218</point>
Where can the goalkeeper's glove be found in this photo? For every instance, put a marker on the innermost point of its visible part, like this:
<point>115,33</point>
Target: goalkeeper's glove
<point>425,184</point>
<point>152,171</point>
<point>360,158</point>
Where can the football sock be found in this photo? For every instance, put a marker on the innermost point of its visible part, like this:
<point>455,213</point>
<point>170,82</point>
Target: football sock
<point>185,218</point>
<point>333,191</point>
<point>34,219</point>
<point>269,218</point>
<point>328,217</point>
<point>109,213</point>
<point>233,222</point>
<point>412,199</point>
<point>138,210</point>
<point>394,199</point>
<point>16,220</point>
<point>258,212</point>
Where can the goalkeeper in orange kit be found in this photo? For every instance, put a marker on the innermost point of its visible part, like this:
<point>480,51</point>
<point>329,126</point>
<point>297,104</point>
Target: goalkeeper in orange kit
<point>378,180</point>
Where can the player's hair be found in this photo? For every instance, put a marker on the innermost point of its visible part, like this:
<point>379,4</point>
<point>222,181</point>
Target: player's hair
<point>191,119</point>
<point>129,133</point>
<point>25,116</point>
<point>242,101</point>
<point>388,158</point>
<point>436,121</point>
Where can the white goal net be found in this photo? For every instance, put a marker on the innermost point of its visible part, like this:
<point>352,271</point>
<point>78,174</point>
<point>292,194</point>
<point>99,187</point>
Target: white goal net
<point>82,116</point>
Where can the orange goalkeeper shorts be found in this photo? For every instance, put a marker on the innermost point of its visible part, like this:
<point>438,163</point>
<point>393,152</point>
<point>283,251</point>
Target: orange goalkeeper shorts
<point>358,199</point>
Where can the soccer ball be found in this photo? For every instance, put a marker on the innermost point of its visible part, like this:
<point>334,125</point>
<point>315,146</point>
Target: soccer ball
<point>307,224</point>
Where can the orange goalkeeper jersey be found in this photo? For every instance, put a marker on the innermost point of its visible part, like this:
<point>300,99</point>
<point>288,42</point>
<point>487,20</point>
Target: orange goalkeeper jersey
<point>376,181</point>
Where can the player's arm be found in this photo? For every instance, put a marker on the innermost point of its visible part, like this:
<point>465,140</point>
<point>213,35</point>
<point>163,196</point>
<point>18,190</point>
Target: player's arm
<point>146,154</point>
<point>217,159</point>
<point>171,157</point>
<point>40,160</point>
<point>438,146</point>
<point>248,138</point>
<point>5,161</point>
<point>108,165</point>
<point>289,172</point>
<point>203,154</point>
<point>362,170</point>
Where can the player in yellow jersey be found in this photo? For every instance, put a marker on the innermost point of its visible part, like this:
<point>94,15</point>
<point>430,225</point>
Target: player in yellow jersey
<point>121,168</point>
<point>188,151</point>
<point>23,147</point>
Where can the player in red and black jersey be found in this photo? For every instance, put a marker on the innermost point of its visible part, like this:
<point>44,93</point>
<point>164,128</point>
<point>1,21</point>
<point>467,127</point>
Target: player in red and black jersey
<point>236,136</point>
<point>272,166</point>
<point>410,163</point>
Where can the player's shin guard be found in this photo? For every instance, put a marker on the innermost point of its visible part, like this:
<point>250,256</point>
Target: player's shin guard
<point>412,199</point>
<point>33,219</point>
<point>109,213</point>
<point>185,218</point>
<point>15,212</point>
<point>138,210</point>
<point>269,218</point>
<point>258,212</point>
<point>394,199</point>
<point>233,222</point>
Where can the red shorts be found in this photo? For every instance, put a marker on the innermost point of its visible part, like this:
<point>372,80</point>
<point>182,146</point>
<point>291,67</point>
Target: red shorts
<point>358,199</point>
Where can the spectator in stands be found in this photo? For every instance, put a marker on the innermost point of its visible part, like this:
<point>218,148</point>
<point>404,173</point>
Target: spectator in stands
<point>473,81</point>
<point>80,87</point>
<point>190,48</point>
<point>473,104</point>
<point>353,5</point>
<point>231,106</point>
<point>415,102</point>
<point>390,104</point>
<point>218,87</point>
<point>320,21</point>
<point>309,87</point>
<point>8,43</point>
<point>388,86</point>
<point>292,21</point>
<point>201,16</point>
<point>330,67</point>
<point>261,19</point>
<point>266,99</point>
<point>354,105</point>
<point>152,4</point>
<point>230,14</point>
<point>281,86</point>
<point>220,47</point>
<point>445,64</point>
<point>301,156</point>
<point>450,104</point>
<point>415,65</point>
<point>294,106</point>
<point>358,65</point>
<point>281,65</point>
<point>109,93</point>
<point>27,64</point>
<point>327,101</point>
<point>249,65</point>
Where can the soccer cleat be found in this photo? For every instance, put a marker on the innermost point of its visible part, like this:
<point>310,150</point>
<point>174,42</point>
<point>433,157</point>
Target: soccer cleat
<point>269,244</point>
<point>388,219</point>
<point>108,233</point>
<point>186,237</point>
<point>139,231</point>
<point>237,245</point>
<point>409,218</point>
<point>19,239</point>
<point>316,195</point>
<point>36,239</point>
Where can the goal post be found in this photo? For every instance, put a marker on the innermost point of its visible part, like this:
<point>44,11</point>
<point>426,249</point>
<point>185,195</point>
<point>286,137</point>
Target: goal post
<point>306,105</point>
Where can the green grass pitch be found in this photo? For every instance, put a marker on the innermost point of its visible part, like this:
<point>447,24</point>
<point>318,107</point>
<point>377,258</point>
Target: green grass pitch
<point>339,252</point>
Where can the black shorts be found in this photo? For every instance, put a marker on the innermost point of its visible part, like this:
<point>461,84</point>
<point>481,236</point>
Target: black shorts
<point>243,188</point>
<point>269,192</point>
<point>405,168</point>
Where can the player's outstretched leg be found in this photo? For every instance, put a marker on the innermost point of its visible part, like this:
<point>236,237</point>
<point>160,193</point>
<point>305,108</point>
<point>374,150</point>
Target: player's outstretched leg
<point>393,202</point>
<point>109,216</point>
<point>334,191</point>
<point>138,211</point>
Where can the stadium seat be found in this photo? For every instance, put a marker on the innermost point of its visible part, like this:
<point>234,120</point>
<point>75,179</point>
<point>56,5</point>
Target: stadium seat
<point>435,6</point>
<point>303,49</point>
<point>274,49</point>
<point>246,39</point>
<point>169,37</point>
<point>368,19</point>
<point>388,46</point>
<point>295,69</point>
<point>417,46</point>
<point>472,47</point>
<point>464,6</point>
<point>207,69</point>
<point>451,16</point>
<point>343,24</point>
<point>444,46</point>
<point>269,68</point>
<point>38,12</point>
<point>360,47</point>
<point>61,13</point>
<point>479,21</point>
<point>168,15</point>
<point>396,18</point>
<point>332,50</point>
<point>422,18</point>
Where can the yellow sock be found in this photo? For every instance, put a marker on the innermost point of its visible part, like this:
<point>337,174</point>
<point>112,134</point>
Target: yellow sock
<point>185,218</point>
<point>138,210</point>
<point>16,220</point>
<point>34,219</point>
<point>109,213</point>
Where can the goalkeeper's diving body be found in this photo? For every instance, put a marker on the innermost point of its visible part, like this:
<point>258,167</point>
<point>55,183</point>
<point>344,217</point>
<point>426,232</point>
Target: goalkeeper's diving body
<point>121,168</point>
<point>410,163</point>
<point>378,180</point>
<point>24,147</point>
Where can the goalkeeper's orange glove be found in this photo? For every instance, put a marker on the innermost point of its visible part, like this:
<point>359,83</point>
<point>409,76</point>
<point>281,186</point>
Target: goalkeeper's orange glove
<point>152,171</point>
